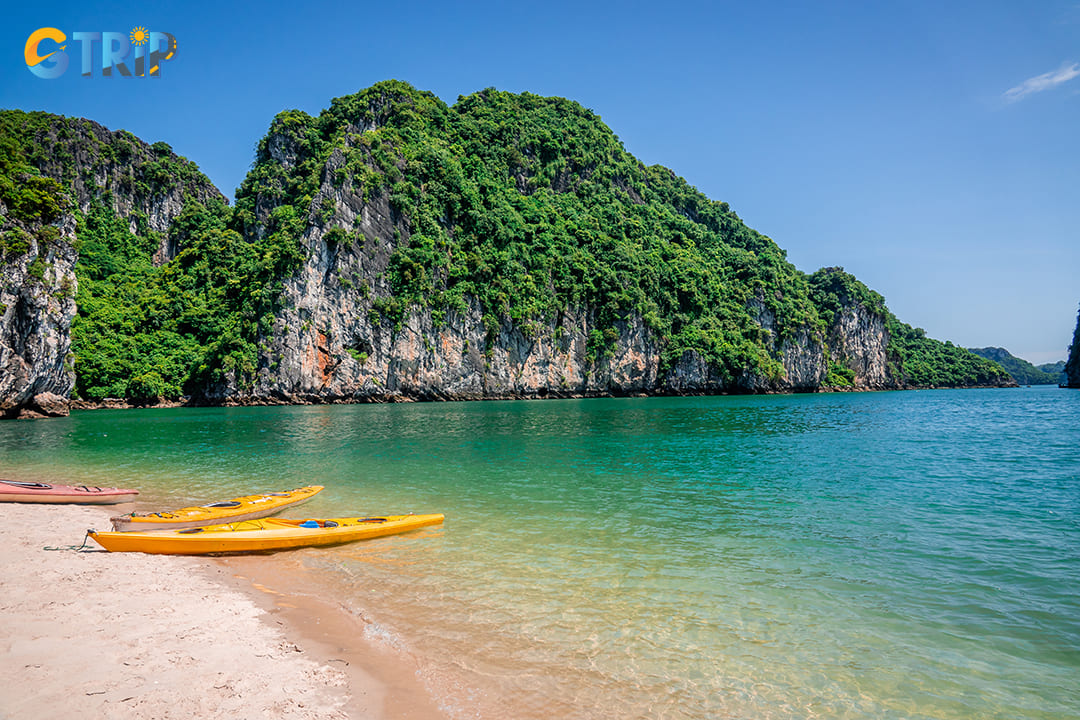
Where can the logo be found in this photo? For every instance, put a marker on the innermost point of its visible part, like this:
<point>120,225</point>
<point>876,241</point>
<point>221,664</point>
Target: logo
<point>145,51</point>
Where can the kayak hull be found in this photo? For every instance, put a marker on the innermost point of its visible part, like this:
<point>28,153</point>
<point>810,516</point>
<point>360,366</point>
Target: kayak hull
<point>249,507</point>
<point>26,492</point>
<point>265,535</point>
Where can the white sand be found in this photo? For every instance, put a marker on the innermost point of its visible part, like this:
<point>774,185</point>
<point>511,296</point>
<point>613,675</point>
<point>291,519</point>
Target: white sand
<point>127,635</point>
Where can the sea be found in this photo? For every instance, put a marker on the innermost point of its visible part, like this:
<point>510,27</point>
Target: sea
<point>846,555</point>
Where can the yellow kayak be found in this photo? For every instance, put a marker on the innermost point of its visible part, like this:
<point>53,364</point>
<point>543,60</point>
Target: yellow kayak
<point>261,535</point>
<point>250,507</point>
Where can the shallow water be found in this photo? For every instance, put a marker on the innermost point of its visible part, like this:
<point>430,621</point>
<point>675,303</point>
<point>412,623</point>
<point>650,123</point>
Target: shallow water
<point>880,555</point>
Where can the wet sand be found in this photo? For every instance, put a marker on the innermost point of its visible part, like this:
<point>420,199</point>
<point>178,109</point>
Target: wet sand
<point>309,611</point>
<point>88,633</point>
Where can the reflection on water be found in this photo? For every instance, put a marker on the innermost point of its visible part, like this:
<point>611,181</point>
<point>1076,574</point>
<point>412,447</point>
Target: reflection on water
<point>903,555</point>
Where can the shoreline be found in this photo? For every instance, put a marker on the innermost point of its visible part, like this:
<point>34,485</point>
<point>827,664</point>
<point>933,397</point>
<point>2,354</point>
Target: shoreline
<point>396,398</point>
<point>89,633</point>
<point>56,406</point>
<point>331,633</point>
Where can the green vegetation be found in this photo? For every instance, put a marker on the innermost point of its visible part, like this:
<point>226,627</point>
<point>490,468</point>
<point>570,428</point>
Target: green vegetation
<point>32,202</point>
<point>1057,369</point>
<point>145,331</point>
<point>832,289</point>
<point>931,363</point>
<point>531,205</point>
<point>915,358</point>
<point>140,331</point>
<point>1021,370</point>
<point>525,205</point>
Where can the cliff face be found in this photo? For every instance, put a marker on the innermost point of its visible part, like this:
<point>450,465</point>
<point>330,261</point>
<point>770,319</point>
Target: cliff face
<point>326,348</point>
<point>37,303</point>
<point>397,248</point>
<point>859,340</point>
<point>143,184</point>
<point>332,339</point>
<point>1072,365</point>
<point>341,334</point>
<point>331,342</point>
<point>52,170</point>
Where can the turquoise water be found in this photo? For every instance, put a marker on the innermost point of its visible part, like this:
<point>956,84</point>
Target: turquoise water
<point>880,555</point>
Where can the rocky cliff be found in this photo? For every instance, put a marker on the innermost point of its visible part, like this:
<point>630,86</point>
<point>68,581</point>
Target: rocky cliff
<point>1072,365</point>
<point>342,332</point>
<point>52,171</point>
<point>395,247</point>
<point>37,303</point>
<point>332,339</point>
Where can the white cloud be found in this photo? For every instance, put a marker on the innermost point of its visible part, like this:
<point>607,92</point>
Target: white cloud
<point>1046,81</point>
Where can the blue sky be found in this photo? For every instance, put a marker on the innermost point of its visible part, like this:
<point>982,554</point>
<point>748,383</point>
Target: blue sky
<point>930,148</point>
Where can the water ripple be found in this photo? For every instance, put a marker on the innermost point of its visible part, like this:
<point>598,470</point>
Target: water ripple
<point>893,555</point>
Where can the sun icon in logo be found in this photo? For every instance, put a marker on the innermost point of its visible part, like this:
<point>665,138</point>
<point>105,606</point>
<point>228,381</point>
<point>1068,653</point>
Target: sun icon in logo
<point>139,36</point>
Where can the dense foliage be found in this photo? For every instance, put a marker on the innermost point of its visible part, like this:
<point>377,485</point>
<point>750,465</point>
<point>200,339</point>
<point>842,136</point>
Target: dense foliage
<point>145,331</point>
<point>915,358</point>
<point>31,202</point>
<point>1054,368</point>
<point>142,331</point>
<point>1021,370</point>
<point>531,205</point>
<point>525,205</point>
<point>931,363</point>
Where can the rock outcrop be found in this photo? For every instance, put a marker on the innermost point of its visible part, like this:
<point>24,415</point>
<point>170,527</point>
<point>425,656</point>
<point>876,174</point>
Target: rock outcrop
<point>37,304</point>
<point>395,248</point>
<point>1072,365</point>
<point>332,340</point>
<point>54,169</point>
<point>142,183</point>
<point>859,340</point>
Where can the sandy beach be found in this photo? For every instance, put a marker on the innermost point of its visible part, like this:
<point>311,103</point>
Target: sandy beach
<point>88,633</point>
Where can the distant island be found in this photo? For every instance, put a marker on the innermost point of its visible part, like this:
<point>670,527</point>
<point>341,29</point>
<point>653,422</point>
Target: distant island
<point>395,247</point>
<point>1021,370</point>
